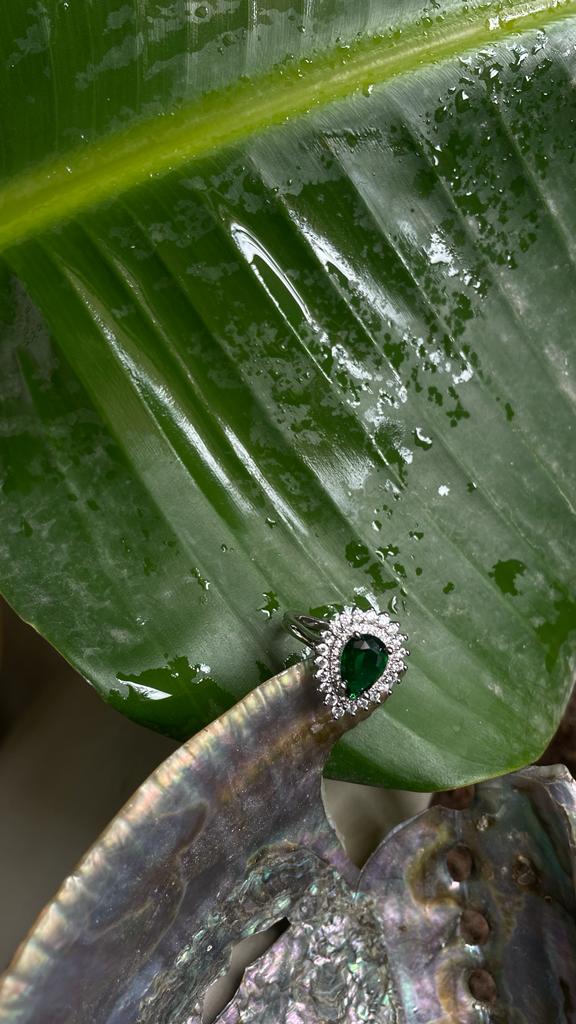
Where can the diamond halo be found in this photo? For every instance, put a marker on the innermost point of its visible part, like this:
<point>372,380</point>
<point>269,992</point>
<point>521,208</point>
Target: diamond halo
<point>343,627</point>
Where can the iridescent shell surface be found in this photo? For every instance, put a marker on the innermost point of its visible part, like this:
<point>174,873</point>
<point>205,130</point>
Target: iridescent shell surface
<point>459,917</point>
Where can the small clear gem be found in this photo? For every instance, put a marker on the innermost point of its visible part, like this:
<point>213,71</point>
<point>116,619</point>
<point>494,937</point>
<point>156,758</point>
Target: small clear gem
<point>362,662</point>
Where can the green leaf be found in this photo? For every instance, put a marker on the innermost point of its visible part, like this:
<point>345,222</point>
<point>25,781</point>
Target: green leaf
<point>287,305</point>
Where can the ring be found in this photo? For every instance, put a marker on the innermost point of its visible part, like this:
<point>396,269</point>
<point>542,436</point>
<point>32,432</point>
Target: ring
<point>358,656</point>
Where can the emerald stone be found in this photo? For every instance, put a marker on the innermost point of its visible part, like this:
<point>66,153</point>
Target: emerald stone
<point>362,662</point>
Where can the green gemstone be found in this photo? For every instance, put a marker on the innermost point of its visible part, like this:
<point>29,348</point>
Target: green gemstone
<point>362,662</point>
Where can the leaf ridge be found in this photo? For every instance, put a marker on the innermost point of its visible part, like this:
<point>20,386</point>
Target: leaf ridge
<point>87,176</point>
<point>487,496</point>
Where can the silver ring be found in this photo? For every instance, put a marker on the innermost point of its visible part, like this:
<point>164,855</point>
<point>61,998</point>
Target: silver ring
<point>359,657</point>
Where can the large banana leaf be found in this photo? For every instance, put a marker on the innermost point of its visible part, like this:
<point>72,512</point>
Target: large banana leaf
<point>288,308</point>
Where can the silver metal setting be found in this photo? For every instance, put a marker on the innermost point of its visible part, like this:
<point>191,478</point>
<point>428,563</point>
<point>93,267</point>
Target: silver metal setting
<point>328,638</point>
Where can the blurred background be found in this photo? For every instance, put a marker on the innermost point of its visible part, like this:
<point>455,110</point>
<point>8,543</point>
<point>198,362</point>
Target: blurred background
<point>68,763</point>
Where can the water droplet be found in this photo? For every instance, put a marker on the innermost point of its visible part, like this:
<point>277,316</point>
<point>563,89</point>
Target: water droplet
<point>271,604</point>
<point>357,554</point>
<point>200,579</point>
<point>505,573</point>
<point>462,101</point>
<point>421,439</point>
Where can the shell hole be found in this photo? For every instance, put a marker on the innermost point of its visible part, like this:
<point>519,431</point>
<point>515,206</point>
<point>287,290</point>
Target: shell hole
<point>459,862</point>
<point>244,953</point>
<point>482,985</point>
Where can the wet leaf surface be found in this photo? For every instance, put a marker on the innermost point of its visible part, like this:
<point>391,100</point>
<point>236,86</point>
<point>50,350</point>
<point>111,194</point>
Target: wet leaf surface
<point>248,368</point>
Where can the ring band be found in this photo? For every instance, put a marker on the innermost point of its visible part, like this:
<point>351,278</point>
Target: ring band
<point>359,656</point>
<point>306,628</point>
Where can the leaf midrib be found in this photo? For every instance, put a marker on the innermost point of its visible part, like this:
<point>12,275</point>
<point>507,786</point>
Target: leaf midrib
<point>83,177</point>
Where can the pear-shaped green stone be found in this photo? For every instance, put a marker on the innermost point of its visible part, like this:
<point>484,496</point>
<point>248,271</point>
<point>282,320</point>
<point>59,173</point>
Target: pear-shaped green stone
<point>362,662</point>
